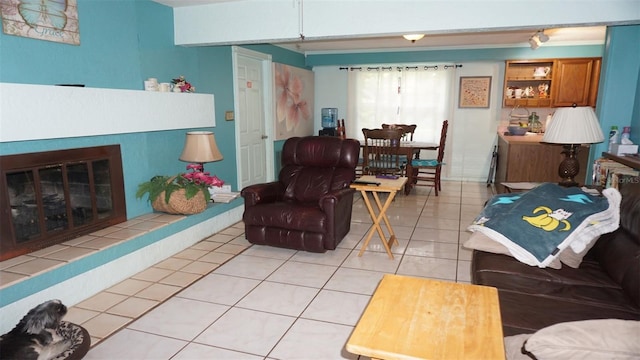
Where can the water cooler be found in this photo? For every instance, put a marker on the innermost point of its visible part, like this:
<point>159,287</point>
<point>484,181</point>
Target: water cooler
<point>329,121</point>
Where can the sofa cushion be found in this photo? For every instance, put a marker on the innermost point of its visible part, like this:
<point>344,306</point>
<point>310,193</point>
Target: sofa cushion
<point>532,298</point>
<point>590,339</point>
<point>619,255</point>
<point>630,209</point>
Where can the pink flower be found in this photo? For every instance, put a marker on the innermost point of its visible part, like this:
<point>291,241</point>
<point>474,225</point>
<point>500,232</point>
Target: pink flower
<point>202,178</point>
<point>197,167</point>
<point>282,92</point>
<point>215,181</point>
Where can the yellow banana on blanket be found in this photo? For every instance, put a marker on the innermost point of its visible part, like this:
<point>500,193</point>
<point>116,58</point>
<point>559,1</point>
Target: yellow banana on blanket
<point>549,220</point>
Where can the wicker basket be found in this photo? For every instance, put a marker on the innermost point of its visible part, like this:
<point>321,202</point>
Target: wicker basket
<point>179,204</point>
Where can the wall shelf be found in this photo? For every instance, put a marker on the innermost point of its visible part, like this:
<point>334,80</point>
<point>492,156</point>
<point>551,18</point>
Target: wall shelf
<point>630,161</point>
<point>37,112</point>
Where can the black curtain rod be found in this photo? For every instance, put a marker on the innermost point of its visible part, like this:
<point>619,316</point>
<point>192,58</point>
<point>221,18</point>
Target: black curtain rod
<point>399,68</point>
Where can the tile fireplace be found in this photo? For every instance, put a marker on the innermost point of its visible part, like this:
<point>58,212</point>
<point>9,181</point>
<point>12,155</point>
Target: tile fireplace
<point>50,197</point>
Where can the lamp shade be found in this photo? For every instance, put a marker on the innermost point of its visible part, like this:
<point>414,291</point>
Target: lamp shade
<point>574,125</point>
<point>200,147</point>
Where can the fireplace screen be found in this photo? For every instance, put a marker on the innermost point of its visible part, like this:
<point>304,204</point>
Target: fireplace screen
<point>55,196</point>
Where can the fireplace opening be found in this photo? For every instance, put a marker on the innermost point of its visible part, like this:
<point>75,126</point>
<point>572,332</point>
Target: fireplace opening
<point>51,197</point>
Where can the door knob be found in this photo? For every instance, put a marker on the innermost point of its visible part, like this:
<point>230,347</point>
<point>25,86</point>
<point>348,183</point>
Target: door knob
<point>264,137</point>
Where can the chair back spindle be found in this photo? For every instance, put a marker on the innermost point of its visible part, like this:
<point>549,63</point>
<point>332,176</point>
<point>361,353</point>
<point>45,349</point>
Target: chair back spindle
<point>381,151</point>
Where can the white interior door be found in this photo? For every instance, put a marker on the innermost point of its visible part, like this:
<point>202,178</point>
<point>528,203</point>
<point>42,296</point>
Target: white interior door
<point>253,115</point>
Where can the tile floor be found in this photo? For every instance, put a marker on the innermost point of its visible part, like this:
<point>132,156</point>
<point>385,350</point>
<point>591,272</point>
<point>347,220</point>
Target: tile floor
<point>272,303</point>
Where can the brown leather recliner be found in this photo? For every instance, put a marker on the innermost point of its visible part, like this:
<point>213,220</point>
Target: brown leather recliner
<point>309,207</point>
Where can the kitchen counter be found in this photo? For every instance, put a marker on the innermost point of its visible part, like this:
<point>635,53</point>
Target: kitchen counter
<point>526,158</point>
<point>527,138</point>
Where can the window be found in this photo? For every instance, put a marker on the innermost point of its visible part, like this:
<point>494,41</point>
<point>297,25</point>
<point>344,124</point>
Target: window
<point>420,95</point>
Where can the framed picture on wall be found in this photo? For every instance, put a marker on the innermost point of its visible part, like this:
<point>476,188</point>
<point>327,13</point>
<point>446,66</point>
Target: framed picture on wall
<point>50,20</point>
<point>475,92</point>
<point>294,101</point>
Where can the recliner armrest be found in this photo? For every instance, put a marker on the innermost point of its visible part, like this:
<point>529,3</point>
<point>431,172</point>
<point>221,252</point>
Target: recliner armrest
<point>262,193</point>
<point>335,197</point>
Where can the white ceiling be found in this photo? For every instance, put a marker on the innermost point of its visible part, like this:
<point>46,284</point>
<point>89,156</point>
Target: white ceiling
<point>591,35</point>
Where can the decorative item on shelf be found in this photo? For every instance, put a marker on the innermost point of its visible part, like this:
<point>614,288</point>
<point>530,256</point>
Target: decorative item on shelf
<point>181,85</point>
<point>529,92</point>
<point>518,93</point>
<point>541,71</point>
<point>571,127</point>
<point>151,84</point>
<point>543,89</point>
<point>186,193</point>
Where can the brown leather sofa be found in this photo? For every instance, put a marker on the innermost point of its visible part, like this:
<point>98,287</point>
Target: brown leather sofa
<point>606,285</point>
<point>309,207</point>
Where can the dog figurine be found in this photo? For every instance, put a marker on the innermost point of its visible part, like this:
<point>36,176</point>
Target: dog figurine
<point>35,337</point>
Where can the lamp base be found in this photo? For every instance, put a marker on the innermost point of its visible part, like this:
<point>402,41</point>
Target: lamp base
<point>569,167</point>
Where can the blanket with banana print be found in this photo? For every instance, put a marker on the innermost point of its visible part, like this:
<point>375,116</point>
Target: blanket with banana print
<point>538,224</point>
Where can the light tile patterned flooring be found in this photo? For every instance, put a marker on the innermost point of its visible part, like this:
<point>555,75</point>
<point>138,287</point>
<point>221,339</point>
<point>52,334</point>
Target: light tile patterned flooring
<point>271,303</point>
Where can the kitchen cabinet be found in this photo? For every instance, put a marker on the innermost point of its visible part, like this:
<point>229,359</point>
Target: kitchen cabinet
<point>576,82</point>
<point>524,158</point>
<point>551,82</point>
<point>535,75</point>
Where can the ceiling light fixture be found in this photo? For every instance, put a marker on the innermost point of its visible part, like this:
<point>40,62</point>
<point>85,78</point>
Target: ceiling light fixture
<point>542,36</point>
<point>537,39</point>
<point>534,42</point>
<point>413,37</point>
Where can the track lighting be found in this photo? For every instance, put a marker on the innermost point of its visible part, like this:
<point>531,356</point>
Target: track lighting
<point>542,36</point>
<point>534,42</point>
<point>537,39</point>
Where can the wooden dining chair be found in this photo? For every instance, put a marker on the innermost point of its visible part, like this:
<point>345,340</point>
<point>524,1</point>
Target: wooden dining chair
<point>381,152</point>
<point>407,130</point>
<point>427,172</point>
<point>407,135</point>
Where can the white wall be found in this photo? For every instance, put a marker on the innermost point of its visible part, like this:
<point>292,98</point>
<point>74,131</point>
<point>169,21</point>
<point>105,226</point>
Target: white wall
<point>472,132</point>
<point>330,92</point>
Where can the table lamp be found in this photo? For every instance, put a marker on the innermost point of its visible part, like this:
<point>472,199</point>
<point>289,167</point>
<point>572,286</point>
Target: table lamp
<point>571,127</point>
<point>200,147</point>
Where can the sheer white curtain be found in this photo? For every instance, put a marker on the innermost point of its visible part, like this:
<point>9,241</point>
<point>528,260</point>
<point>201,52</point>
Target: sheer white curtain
<point>420,95</point>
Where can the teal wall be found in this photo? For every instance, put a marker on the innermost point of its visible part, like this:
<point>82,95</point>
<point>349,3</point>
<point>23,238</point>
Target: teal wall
<point>619,91</point>
<point>122,43</point>
<point>121,54</point>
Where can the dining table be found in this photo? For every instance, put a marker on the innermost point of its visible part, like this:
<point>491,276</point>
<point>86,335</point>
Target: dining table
<point>409,149</point>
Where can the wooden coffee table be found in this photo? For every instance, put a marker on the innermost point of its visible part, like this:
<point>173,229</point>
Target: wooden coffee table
<point>416,318</point>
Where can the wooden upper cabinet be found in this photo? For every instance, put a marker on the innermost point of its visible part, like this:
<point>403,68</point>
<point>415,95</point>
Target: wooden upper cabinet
<point>569,81</point>
<point>575,82</point>
<point>528,83</point>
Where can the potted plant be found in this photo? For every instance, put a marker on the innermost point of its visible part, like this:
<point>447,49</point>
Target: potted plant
<point>184,193</point>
